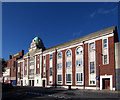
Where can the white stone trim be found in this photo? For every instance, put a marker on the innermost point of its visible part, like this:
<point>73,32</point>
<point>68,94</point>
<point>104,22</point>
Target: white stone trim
<point>94,88</point>
<point>86,41</point>
<point>48,52</point>
<point>45,82</point>
<point>113,89</point>
<point>58,69</point>
<point>80,66</point>
<point>94,51</point>
<point>107,51</point>
<point>70,68</point>
<point>77,87</point>
<point>111,81</point>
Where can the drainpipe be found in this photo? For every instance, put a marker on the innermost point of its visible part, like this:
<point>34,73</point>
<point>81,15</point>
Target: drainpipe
<point>84,61</point>
<point>55,68</point>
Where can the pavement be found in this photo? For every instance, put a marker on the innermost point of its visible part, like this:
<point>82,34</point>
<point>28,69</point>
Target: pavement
<point>37,93</point>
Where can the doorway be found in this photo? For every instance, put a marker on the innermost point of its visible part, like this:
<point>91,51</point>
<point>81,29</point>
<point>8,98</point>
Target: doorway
<point>29,82</point>
<point>43,83</point>
<point>21,83</point>
<point>32,82</point>
<point>106,83</point>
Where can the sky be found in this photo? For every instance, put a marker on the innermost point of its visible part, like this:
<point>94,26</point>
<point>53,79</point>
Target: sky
<point>54,23</point>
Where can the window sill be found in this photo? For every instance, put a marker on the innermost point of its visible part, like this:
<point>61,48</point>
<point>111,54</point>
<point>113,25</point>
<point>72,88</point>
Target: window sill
<point>106,64</point>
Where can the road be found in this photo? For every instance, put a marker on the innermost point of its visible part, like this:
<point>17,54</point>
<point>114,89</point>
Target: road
<point>37,93</point>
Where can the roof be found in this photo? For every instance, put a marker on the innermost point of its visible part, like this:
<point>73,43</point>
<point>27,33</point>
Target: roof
<point>37,38</point>
<point>83,38</point>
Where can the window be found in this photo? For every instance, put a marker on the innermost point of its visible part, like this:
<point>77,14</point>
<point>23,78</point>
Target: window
<point>78,62</point>
<point>59,78</point>
<point>91,46</point>
<point>50,71</point>
<point>18,64</point>
<point>92,82</point>
<point>44,65</point>
<point>31,61</point>
<point>44,57</point>
<point>59,65</point>
<point>68,53</point>
<point>51,56</point>
<point>105,43</point>
<point>68,64</point>
<point>68,78</point>
<point>14,63</point>
<point>37,81</point>
<point>31,71</point>
<point>25,65</point>
<point>79,50</point>
<point>79,77</point>
<point>105,59</point>
<point>59,55</point>
<point>38,60</point>
<point>44,73</point>
<point>37,70</point>
<point>92,67</point>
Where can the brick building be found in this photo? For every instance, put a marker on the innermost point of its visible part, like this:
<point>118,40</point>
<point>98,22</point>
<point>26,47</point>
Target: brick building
<point>87,62</point>
<point>10,75</point>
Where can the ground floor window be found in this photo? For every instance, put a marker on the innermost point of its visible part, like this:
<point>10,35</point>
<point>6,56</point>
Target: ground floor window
<point>79,78</point>
<point>92,82</point>
<point>68,78</point>
<point>59,77</point>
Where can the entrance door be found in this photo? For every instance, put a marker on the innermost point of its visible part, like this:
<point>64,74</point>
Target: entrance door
<point>21,83</point>
<point>32,82</point>
<point>29,82</point>
<point>106,83</point>
<point>43,83</point>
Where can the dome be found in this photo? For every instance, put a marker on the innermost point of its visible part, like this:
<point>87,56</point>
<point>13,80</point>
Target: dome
<point>36,39</point>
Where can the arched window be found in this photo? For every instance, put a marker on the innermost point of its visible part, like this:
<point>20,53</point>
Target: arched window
<point>68,53</point>
<point>60,55</point>
<point>79,50</point>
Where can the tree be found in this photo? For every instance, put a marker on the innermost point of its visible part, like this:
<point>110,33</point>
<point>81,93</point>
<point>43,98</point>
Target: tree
<point>4,65</point>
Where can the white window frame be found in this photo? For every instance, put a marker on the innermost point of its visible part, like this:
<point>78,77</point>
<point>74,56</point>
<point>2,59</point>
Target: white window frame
<point>59,64</point>
<point>89,51</point>
<point>67,51</point>
<point>58,56</point>
<point>66,77</point>
<point>107,51</point>
<point>44,63</point>
<point>77,49</point>
<point>79,81</point>
<point>92,48</point>
<point>68,66</point>
<point>94,67</point>
<point>79,63</point>
<point>61,79</point>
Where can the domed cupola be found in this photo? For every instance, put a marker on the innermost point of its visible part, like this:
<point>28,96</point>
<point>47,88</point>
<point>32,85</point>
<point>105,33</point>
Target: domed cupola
<point>36,44</point>
<point>36,39</point>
